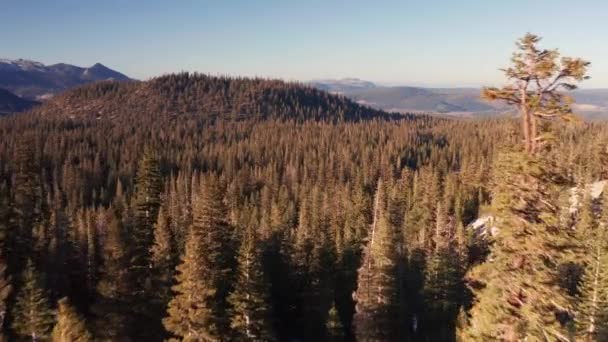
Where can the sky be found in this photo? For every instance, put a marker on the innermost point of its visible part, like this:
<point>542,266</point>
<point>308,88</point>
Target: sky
<point>441,43</point>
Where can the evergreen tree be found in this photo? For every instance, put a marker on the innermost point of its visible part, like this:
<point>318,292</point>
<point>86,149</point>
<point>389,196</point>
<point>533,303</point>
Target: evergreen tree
<point>5,291</point>
<point>5,280</point>
<point>592,303</point>
<point>539,78</point>
<point>146,203</point>
<point>32,314</point>
<point>197,310</point>
<point>377,292</point>
<point>27,203</point>
<point>70,326</point>
<point>114,295</point>
<point>443,294</point>
<point>335,329</point>
<point>163,257</point>
<point>518,293</point>
<point>251,316</point>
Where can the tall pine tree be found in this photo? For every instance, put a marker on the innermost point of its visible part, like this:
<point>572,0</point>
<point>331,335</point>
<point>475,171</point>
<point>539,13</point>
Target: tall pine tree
<point>70,325</point>
<point>251,314</point>
<point>32,314</point>
<point>377,310</point>
<point>518,290</point>
<point>198,309</point>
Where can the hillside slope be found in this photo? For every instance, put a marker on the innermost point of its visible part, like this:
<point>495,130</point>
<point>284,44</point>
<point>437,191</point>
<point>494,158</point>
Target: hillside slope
<point>209,97</point>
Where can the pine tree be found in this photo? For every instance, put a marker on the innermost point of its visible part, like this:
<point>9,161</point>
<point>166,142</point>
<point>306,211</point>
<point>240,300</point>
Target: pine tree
<point>518,291</point>
<point>5,280</point>
<point>32,313</point>
<point>539,78</point>
<point>5,291</point>
<point>70,326</point>
<point>442,294</point>
<point>251,316</point>
<point>377,291</point>
<point>163,257</point>
<point>592,306</point>
<point>592,303</point>
<point>197,310</point>
<point>146,203</point>
<point>335,329</point>
<point>27,203</point>
<point>114,288</point>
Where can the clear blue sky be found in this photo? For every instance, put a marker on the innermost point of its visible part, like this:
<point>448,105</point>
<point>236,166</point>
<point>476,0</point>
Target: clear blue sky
<point>430,42</point>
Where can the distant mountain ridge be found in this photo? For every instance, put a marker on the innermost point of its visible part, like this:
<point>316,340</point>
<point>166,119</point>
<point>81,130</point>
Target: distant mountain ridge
<point>35,81</point>
<point>11,103</point>
<point>342,86</point>
<point>590,103</point>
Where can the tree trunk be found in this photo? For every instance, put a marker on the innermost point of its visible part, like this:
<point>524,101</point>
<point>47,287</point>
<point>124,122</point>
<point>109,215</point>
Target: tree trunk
<point>533,134</point>
<point>526,127</point>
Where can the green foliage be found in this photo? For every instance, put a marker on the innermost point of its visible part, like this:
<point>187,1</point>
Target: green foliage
<point>5,290</point>
<point>592,305</point>
<point>303,178</point>
<point>197,310</point>
<point>335,329</point>
<point>148,186</point>
<point>32,314</point>
<point>377,294</point>
<point>164,257</point>
<point>251,315</point>
<point>539,78</point>
<point>112,307</point>
<point>518,293</point>
<point>70,326</point>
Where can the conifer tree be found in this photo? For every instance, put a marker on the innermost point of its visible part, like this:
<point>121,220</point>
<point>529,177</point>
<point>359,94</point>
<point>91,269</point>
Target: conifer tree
<point>442,293</point>
<point>27,202</point>
<point>334,326</point>
<point>592,303</point>
<point>70,325</point>
<point>146,203</point>
<point>251,316</point>
<point>592,306</point>
<point>32,313</point>
<point>377,291</point>
<point>539,79</point>
<point>5,291</point>
<point>114,294</point>
<point>197,310</point>
<point>518,294</point>
<point>5,280</point>
<point>163,257</point>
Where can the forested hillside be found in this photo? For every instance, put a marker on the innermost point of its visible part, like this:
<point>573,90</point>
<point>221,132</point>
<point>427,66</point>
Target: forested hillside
<point>205,209</point>
<point>209,97</point>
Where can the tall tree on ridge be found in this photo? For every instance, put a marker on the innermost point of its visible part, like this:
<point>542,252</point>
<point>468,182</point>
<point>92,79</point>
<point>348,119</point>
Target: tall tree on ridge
<point>538,76</point>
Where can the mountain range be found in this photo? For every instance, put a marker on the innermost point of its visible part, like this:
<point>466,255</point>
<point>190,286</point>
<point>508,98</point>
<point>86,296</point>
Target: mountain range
<point>11,103</point>
<point>35,81</point>
<point>464,102</point>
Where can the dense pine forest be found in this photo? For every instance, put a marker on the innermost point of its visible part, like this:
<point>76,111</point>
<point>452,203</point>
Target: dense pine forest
<point>204,208</point>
